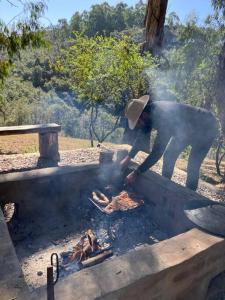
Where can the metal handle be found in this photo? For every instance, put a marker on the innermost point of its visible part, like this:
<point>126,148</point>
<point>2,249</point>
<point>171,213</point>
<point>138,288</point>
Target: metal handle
<point>56,265</point>
<point>50,284</point>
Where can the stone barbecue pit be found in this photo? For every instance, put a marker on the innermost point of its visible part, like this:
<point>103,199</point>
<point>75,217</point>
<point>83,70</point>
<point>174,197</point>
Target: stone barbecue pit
<point>157,252</point>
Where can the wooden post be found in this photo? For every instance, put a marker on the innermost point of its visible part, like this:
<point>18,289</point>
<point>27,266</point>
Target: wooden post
<point>106,156</point>
<point>49,147</point>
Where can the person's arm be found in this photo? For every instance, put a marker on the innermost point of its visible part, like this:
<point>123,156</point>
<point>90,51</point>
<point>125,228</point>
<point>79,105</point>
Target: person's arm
<point>137,146</point>
<point>158,149</point>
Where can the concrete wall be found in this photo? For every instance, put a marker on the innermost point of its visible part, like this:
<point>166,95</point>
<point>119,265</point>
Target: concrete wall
<point>37,192</point>
<point>12,284</point>
<point>168,200</point>
<point>44,189</point>
<point>41,191</point>
<point>174,269</point>
<point>179,268</point>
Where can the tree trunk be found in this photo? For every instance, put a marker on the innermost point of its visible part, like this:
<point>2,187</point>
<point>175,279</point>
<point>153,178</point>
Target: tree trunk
<point>220,89</point>
<point>90,127</point>
<point>220,102</point>
<point>154,24</point>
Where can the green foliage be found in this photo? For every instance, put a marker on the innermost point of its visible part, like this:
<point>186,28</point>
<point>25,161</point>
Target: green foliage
<point>106,69</point>
<point>105,19</point>
<point>189,75</point>
<point>100,68</point>
<point>22,34</point>
<point>219,6</point>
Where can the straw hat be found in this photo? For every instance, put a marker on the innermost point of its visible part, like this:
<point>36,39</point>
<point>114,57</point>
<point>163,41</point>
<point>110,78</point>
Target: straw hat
<point>134,110</point>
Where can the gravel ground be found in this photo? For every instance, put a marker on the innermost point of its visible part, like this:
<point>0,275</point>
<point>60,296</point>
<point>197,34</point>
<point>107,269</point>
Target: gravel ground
<point>21,162</point>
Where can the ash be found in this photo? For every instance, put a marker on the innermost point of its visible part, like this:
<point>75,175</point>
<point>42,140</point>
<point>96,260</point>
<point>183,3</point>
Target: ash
<point>37,239</point>
<point>123,230</point>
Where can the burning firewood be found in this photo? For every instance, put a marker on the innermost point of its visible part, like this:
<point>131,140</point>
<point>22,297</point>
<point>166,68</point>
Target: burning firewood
<point>96,259</point>
<point>87,244</point>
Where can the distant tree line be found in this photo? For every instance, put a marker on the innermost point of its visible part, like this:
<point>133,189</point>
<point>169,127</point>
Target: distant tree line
<point>74,78</point>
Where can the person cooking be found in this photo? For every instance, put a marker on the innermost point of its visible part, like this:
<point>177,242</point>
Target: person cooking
<point>178,126</point>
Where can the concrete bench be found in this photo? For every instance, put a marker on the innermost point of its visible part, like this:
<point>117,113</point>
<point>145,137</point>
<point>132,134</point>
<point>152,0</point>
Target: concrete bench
<point>48,139</point>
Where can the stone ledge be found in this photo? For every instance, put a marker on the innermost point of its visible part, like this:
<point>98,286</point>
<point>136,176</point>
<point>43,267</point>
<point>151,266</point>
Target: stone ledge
<point>12,283</point>
<point>167,183</point>
<point>45,172</point>
<point>151,272</point>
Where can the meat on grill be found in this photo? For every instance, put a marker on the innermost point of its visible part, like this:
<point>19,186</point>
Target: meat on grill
<point>100,198</point>
<point>123,202</point>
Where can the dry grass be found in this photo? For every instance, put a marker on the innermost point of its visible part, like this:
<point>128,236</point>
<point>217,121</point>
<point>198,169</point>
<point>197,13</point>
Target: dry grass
<point>208,170</point>
<point>28,143</point>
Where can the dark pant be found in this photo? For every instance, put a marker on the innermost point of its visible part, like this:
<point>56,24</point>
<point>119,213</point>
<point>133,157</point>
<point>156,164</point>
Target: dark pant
<point>197,155</point>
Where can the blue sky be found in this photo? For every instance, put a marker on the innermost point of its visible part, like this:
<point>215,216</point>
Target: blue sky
<point>58,9</point>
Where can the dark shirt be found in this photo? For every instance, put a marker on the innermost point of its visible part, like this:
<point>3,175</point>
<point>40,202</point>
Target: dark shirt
<point>186,123</point>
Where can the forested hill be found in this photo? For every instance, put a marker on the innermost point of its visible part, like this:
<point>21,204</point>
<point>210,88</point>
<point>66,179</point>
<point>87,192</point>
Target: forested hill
<point>93,64</point>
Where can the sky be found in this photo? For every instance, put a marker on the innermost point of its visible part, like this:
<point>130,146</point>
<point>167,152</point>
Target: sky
<point>59,9</point>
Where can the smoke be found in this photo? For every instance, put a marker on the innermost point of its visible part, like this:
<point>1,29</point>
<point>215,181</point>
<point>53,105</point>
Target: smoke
<point>162,84</point>
<point>179,125</point>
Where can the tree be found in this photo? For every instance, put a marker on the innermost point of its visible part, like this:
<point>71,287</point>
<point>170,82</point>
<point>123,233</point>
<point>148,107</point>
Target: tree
<point>77,22</point>
<point>105,19</point>
<point>192,60</point>
<point>106,71</point>
<point>20,35</point>
<point>100,20</point>
<point>219,6</point>
<point>154,24</point>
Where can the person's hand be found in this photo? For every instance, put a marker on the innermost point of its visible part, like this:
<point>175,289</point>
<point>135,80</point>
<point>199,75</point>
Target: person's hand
<point>131,178</point>
<point>124,163</point>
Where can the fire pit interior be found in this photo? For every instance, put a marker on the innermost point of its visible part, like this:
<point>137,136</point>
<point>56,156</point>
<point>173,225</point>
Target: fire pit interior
<point>54,214</point>
<point>54,228</point>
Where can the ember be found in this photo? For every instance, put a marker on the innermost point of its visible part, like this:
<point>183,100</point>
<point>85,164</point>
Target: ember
<point>87,251</point>
<point>87,244</point>
<point>62,228</point>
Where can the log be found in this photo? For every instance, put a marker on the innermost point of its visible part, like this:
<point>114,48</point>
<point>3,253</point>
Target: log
<point>96,259</point>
